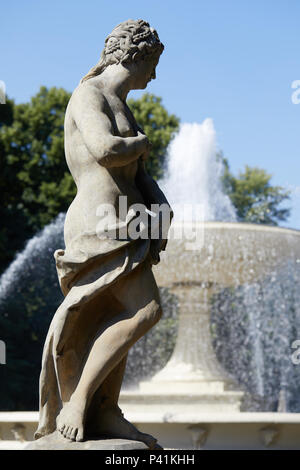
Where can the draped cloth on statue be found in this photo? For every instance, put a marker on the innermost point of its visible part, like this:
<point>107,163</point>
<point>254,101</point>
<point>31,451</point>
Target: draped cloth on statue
<point>87,269</point>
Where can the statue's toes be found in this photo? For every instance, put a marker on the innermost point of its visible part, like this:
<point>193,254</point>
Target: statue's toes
<point>74,434</point>
<point>61,428</point>
<point>79,435</point>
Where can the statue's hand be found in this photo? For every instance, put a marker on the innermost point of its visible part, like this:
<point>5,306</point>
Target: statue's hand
<point>154,252</point>
<point>146,154</point>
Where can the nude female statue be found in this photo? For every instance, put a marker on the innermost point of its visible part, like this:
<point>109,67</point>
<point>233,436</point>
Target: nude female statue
<point>111,297</point>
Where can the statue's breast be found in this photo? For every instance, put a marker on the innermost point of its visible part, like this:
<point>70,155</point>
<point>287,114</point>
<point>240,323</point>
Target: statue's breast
<point>123,127</point>
<point>121,118</point>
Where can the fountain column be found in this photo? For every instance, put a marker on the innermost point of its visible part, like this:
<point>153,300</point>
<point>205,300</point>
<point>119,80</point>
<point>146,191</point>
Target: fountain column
<point>193,369</point>
<point>193,364</point>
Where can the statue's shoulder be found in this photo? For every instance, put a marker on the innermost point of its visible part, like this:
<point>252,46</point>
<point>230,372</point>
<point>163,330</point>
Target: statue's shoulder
<point>88,94</point>
<point>87,102</point>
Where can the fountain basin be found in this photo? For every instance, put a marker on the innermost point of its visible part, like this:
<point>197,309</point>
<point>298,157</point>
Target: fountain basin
<point>229,254</point>
<point>253,431</point>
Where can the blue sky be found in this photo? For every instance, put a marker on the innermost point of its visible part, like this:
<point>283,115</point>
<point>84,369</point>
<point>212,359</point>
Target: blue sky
<point>231,60</point>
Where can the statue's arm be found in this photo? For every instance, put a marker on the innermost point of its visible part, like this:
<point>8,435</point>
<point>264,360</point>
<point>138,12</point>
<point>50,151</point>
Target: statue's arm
<point>152,194</point>
<point>149,188</point>
<point>88,111</point>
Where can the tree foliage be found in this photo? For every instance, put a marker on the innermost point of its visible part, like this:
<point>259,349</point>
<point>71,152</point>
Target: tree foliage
<point>33,150</point>
<point>253,196</point>
<point>35,182</point>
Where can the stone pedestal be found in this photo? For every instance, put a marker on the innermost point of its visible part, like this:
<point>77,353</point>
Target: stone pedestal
<point>56,441</point>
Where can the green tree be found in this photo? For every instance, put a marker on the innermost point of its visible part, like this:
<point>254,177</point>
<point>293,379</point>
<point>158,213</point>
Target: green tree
<point>13,228</point>
<point>33,147</point>
<point>253,196</point>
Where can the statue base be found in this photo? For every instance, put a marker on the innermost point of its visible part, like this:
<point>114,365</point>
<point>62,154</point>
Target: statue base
<point>56,441</point>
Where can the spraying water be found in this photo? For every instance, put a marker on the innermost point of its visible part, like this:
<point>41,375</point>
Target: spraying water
<point>194,173</point>
<point>31,260</point>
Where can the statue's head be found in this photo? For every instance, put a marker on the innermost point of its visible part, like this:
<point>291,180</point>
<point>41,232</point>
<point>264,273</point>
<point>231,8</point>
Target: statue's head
<point>130,42</point>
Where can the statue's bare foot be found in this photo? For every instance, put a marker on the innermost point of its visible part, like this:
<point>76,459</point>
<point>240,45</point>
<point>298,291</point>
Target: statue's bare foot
<point>112,423</point>
<point>70,422</point>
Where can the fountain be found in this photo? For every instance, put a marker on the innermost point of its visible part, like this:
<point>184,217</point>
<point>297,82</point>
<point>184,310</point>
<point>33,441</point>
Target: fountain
<point>193,386</point>
<point>211,263</point>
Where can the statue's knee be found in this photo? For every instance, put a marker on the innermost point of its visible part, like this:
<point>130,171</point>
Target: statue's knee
<point>153,313</point>
<point>147,317</point>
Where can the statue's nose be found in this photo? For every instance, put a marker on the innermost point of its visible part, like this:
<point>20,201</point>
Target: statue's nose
<point>153,76</point>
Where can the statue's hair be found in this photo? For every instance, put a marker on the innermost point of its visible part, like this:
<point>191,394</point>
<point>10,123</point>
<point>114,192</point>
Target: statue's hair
<point>130,41</point>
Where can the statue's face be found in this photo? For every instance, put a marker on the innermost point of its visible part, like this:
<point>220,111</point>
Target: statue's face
<point>144,71</point>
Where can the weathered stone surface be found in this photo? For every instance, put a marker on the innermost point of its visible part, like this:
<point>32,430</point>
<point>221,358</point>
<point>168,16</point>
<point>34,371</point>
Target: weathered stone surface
<point>105,268</point>
<point>56,441</point>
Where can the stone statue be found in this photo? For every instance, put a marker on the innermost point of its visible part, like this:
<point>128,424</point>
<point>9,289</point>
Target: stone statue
<point>111,297</point>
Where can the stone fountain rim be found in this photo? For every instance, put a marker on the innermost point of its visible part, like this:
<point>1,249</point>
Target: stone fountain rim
<point>241,225</point>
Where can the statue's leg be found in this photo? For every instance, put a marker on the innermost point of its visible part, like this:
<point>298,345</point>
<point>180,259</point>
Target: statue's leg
<point>106,419</point>
<point>111,387</point>
<point>139,295</point>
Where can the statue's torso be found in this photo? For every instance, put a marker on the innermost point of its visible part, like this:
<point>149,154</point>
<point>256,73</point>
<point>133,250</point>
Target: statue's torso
<point>97,185</point>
